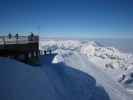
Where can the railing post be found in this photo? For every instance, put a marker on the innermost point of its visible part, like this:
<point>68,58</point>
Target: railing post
<point>4,41</point>
<point>16,36</point>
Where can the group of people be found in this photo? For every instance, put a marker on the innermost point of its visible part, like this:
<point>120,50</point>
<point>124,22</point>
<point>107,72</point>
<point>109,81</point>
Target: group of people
<point>49,51</point>
<point>45,52</point>
<point>10,36</point>
<point>30,37</point>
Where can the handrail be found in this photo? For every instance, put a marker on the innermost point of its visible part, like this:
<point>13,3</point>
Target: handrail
<point>19,40</point>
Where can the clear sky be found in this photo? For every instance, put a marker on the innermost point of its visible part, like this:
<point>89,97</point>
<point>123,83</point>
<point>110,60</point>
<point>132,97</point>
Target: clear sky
<point>68,18</point>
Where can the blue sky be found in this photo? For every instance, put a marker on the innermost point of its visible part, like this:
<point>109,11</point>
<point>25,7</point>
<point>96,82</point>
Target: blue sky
<point>68,18</point>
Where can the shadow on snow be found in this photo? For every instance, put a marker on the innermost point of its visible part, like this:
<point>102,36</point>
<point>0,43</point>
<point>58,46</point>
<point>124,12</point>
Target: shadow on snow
<point>49,81</point>
<point>72,84</point>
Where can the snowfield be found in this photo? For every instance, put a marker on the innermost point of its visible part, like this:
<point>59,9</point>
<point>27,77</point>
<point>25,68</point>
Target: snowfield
<point>111,61</point>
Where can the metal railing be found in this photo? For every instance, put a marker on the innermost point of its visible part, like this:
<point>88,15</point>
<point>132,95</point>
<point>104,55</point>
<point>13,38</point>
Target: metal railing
<point>5,40</point>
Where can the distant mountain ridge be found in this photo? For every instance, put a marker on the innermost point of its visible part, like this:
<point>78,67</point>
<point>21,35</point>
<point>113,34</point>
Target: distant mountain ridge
<point>110,59</point>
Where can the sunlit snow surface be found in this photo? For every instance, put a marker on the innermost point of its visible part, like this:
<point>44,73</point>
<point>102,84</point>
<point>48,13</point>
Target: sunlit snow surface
<point>112,61</point>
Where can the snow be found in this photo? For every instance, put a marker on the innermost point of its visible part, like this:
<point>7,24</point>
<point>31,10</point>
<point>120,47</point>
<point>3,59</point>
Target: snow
<point>51,44</point>
<point>49,81</point>
<point>104,57</point>
<point>93,50</point>
<point>109,60</point>
<point>79,70</point>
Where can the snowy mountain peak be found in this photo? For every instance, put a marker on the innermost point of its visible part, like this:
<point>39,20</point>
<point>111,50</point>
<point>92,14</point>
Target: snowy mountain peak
<point>96,44</point>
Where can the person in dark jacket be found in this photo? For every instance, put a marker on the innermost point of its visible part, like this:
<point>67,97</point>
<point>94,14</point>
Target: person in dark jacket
<point>9,35</point>
<point>16,36</point>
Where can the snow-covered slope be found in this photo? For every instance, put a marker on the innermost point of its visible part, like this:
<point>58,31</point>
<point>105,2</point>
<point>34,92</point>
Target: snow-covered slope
<point>49,81</point>
<point>110,60</point>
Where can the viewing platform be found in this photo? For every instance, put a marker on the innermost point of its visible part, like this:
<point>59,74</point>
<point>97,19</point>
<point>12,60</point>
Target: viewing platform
<point>19,47</point>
